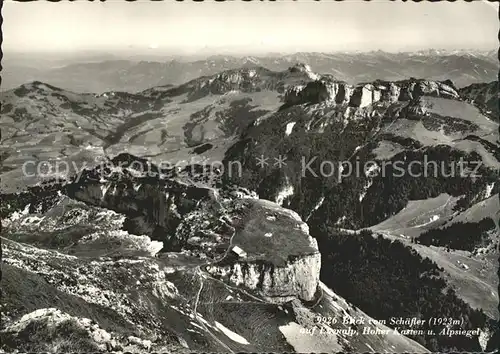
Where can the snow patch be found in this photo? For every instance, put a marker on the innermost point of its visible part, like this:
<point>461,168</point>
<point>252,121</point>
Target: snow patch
<point>301,340</point>
<point>316,207</point>
<point>340,220</point>
<point>233,336</point>
<point>154,247</point>
<point>33,220</point>
<point>289,128</point>
<point>484,337</point>
<point>43,87</point>
<point>327,290</point>
<point>290,333</point>
<point>18,215</point>
<point>136,242</point>
<point>489,189</point>
<point>365,190</point>
<point>372,171</point>
<point>104,190</point>
<point>286,192</point>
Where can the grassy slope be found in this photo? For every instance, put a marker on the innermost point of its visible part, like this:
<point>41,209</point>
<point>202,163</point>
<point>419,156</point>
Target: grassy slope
<point>417,130</point>
<point>418,216</point>
<point>477,285</point>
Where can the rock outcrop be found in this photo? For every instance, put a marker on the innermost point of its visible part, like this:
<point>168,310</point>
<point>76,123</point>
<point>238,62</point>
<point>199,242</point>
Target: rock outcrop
<point>296,279</point>
<point>305,69</point>
<point>362,95</point>
<point>102,303</point>
<point>282,262</point>
<point>53,321</point>
<point>318,91</point>
<point>365,95</point>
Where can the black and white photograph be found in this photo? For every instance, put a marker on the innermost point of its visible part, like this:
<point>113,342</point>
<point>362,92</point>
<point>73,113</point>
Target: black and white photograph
<point>249,176</point>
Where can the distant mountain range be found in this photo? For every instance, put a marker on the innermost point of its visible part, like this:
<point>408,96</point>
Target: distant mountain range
<point>97,74</point>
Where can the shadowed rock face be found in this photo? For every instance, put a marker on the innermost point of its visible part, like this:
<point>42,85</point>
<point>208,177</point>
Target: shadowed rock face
<point>484,96</point>
<point>153,206</point>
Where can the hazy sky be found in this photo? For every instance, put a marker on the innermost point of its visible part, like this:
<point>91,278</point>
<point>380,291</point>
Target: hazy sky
<point>256,26</point>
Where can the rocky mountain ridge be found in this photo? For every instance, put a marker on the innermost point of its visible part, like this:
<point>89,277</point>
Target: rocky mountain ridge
<point>364,95</point>
<point>172,122</point>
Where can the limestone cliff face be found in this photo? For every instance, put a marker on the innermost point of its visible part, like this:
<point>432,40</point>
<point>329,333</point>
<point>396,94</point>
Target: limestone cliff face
<point>362,95</point>
<point>304,69</point>
<point>287,269</point>
<point>319,91</point>
<point>365,95</point>
<point>298,278</point>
